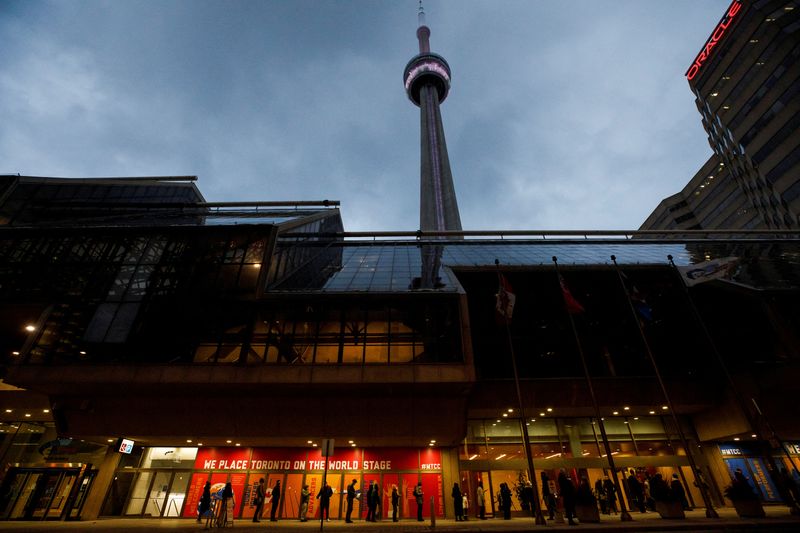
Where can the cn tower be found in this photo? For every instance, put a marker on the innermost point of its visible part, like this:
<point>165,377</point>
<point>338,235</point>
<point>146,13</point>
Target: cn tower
<point>427,81</point>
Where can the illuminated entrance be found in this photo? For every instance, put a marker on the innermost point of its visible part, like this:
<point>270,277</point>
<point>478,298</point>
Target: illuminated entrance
<point>168,482</point>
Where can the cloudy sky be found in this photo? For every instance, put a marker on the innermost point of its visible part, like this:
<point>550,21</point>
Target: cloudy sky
<point>564,114</point>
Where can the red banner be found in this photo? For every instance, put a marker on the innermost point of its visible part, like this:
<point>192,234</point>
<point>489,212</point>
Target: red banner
<point>222,459</point>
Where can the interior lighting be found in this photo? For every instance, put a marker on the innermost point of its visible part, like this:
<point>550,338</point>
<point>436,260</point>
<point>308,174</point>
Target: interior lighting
<point>615,413</point>
<point>505,415</point>
<point>433,440</point>
<point>652,412</point>
<point>788,8</point>
<point>510,410</point>
<point>626,408</point>
<point>753,41</point>
<point>714,94</point>
<point>726,107</point>
<point>189,441</point>
<point>636,418</point>
<point>542,414</point>
<point>549,409</point>
<point>45,410</point>
<point>309,442</point>
<point>735,438</point>
<point>14,353</point>
<point>9,410</point>
<point>664,407</point>
<point>110,440</point>
<point>199,443</point>
<point>30,328</point>
<point>28,415</point>
<point>754,435</point>
<point>314,445</point>
<point>473,457</point>
<point>553,455</point>
<point>238,444</point>
<point>228,441</point>
<point>498,420</point>
<point>353,444</point>
<point>499,457</point>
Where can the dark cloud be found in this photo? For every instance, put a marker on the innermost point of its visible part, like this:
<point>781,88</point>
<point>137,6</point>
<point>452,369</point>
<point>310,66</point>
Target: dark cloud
<point>569,114</point>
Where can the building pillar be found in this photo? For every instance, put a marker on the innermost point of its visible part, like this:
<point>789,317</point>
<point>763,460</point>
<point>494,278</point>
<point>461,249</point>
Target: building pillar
<point>100,485</point>
<point>450,474</point>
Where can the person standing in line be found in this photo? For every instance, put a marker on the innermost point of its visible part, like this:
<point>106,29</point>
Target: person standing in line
<point>567,490</point>
<point>205,501</point>
<point>637,493</point>
<point>547,496</point>
<point>372,501</point>
<point>276,500</point>
<point>305,494</point>
<point>324,498</point>
<point>458,503</point>
<point>227,494</point>
<point>351,495</point>
<point>600,494</point>
<point>465,505</point>
<point>679,492</point>
<point>481,501</point>
<point>505,497</point>
<point>611,494</point>
<point>395,502</point>
<point>259,500</point>
<point>419,495</point>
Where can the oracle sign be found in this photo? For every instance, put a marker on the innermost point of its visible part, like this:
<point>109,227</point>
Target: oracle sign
<point>715,37</point>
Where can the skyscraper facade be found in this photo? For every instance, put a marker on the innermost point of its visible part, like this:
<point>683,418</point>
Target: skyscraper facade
<point>746,82</point>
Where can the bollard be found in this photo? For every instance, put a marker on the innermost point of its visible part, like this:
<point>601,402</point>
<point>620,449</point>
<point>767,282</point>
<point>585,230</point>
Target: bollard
<point>433,513</point>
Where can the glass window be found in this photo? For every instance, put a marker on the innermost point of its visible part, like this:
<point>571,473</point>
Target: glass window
<point>159,457</point>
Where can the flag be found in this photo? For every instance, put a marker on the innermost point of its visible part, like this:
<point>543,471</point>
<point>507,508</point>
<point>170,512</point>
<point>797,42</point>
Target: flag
<point>708,270</point>
<point>573,306</point>
<point>505,299</point>
<point>638,301</point>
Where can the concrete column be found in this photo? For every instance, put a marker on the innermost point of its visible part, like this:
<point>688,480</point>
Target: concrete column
<point>102,481</point>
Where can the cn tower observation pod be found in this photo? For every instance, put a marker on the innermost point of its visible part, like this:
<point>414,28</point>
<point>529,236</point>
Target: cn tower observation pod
<point>427,68</point>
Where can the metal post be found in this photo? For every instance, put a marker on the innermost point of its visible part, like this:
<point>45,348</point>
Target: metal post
<point>624,515</point>
<point>710,511</point>
<point>324,481</point>
<point>536,508</point>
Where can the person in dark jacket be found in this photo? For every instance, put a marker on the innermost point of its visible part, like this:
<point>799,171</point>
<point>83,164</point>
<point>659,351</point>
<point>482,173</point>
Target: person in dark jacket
<point>678,492</point>
<point>660,490</point>
<point>600,494</point>
<point>637,491</point>
<point>611,494</point>
<point>372,501</point>
<point>395,502</point>
<point>547,496</point>
<point>205,501</point>
<point>458,503</point>
<point>420,497</point>
<point>276,501</point>
<point>259,500</point>
<point>505,497</point>
<point>351,495</point>
<point>567,490</point>
<point>324,498</point>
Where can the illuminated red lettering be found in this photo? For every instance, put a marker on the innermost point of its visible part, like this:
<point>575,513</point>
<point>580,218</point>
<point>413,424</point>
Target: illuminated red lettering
<point>718,33</point>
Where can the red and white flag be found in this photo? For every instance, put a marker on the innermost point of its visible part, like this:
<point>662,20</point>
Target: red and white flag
<point>574,307</point>
<point>505,300</point>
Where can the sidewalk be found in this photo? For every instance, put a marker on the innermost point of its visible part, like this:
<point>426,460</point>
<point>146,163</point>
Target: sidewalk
<point>778,519</point>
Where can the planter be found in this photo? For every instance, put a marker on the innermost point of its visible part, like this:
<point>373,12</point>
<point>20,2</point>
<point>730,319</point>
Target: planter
<point>670,509</point>
<point>587,513</point>
<point>749,508</point>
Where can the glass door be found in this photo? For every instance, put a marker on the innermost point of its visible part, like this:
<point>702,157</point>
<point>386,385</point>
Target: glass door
<point>60,495</point>
<point>156,500</point>
<point>25,496</point>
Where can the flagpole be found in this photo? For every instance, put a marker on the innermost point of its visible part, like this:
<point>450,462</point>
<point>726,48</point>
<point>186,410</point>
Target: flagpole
<point>710,511</point>
<point>624,515</point>
<point>735,390</point>
<point>538,517</point>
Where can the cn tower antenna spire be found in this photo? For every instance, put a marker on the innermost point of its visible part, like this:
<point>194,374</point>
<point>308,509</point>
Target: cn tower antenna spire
<point>421,15</point>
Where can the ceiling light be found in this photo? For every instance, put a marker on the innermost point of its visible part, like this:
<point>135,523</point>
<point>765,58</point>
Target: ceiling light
<point>505,415</point>
<point>199,443</point>
<point>189,441</point>
<point>549,409</point>
<point>714,94</point>
<point>228,441</point>
<point>510,410</point>
<point>314,445</point>
<point>542,414</point>
<point>14,353</point>
<point>652,412</point>
<point>626,408</point>
<point>28,415</point>
<point>636,418</point>
<point>754,435</point>
<point>499,457</point>
<point>473,457</point>
<point>82,352</point>
<point>498,420</point>
<point>735,438</point>
<point>664,407</point>
<point>238,444</point>
<point>353,444</point>
<point>615,413</point>
<point>309,442</point>
<point>110,440</point>
<point>433,440</point>
<point>9,410</point>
